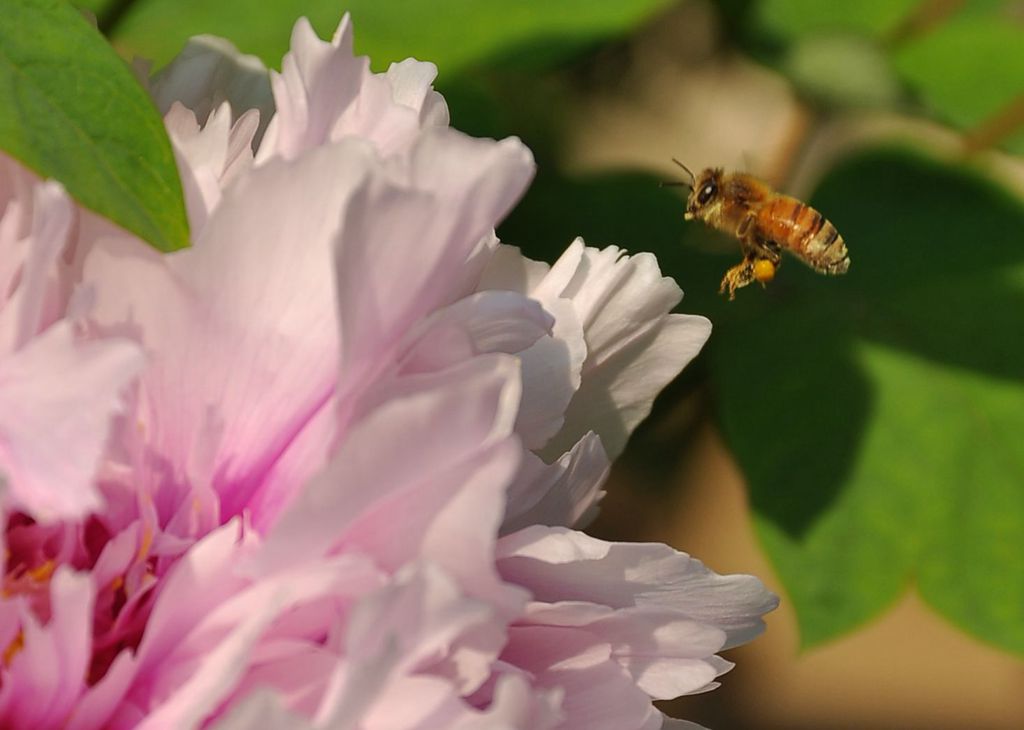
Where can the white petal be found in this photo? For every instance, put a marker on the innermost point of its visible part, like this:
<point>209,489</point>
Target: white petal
<point>551,376</point>
<point>617,393</point>
<point>557,564</point>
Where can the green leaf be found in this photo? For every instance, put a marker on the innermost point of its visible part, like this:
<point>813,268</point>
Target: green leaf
<point>843,70</point>
<point>790,19</point>
<point>93,7</point>
<point>968,69</point>
<point>73,111</point>
<point>453,34</point>
<point>877,416</point>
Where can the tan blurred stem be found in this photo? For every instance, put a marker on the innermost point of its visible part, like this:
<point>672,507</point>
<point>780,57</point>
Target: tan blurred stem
<point>996,128</point>
<point>927,16</point>
<point>793,145</point>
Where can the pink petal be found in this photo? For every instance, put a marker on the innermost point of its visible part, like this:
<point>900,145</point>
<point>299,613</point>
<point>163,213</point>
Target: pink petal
<point>486,322</point>
<point>318,81</point>
<point>204,575</point>
<point>46,678</point>
<point>57,397</point>
<point>303,457</point>
<point>444,423</point>
<point>245,318</point>
<point>31,282</point>
<point>599,694</point>
<point>427,616</point>
<point>100,701</point>
<point>454,191</point>
<point>565,493</point>
<point>207,663</point>
<point>209,157</point>
<point>397,635</point>
<point>516,706</point>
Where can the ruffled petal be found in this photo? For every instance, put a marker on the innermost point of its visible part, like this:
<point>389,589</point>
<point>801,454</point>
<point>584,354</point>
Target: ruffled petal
<point>324,93</point>
<point>209,157</point>
<point>634,348</point>
<point>557,564</point>
<point>617,394</point>
<point>57,398</point>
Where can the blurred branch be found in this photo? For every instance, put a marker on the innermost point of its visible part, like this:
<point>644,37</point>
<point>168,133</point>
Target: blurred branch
<point>926,16</point>
<point>996,128</point>
<point>792,146</point>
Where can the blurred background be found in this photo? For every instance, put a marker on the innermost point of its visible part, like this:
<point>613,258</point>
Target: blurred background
<point>858,441</point>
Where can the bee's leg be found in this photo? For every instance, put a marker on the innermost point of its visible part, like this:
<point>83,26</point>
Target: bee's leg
<point>746,233</point>
<point>756,246</point>
<point>766,256</point>
<point>771,251</point>
<point>737,277</point>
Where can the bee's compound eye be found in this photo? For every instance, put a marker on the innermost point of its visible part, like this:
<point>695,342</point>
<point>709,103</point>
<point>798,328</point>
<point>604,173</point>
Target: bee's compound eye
<point>764,270</point>
<point>707,193</point>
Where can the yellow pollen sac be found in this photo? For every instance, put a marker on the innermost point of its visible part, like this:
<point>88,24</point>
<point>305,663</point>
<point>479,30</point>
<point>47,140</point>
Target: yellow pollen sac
<point>116,584</point>
<point>764,270</point>
<point>146,543</point>
<point>16,645</point>
<point>42,572</point>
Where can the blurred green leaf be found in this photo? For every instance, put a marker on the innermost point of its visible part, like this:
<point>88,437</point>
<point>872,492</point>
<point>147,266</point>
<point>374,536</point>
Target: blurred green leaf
<point>790,19</point>
<point>453,34</point>
<point>968,69</point>
<point>92,7</point>
<point>845,70</point>
<point>872,414</point>
<point>73,111</point>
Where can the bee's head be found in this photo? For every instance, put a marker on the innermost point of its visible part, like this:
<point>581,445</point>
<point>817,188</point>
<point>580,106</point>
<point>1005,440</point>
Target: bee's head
<point>705,191</point>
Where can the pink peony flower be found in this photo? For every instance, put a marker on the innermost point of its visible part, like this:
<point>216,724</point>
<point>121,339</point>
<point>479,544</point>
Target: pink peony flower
<point>340,490</point>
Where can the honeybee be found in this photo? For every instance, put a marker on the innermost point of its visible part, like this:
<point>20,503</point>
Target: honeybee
<point>764,222</point>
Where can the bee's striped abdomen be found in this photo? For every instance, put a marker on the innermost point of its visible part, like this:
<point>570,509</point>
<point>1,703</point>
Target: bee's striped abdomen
<point>804,231</point>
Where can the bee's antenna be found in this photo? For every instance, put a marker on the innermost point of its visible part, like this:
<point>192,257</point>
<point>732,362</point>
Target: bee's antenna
<point>676,183</point>
<point>687,169</point>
